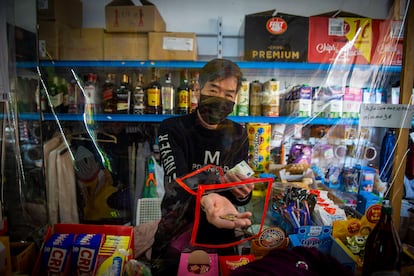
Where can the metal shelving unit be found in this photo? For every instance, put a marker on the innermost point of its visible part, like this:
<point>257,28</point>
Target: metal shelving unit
<point>160,118</point>
<point>199,64</point>
<point>244,65</point>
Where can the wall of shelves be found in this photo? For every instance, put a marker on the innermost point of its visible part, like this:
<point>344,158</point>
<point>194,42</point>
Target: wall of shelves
<point>198,64</point>
<point>256,67</point>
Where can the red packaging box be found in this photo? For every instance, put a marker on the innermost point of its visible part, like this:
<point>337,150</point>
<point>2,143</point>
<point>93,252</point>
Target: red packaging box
<point>230,263</point>
<point>388,42</point>
<point>76,229</point>
<point>340,40</point>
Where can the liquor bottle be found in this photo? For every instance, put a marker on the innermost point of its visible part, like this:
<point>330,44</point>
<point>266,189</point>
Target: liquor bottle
<point>183,94</point>
<point>383,247</point>
<point>153,95</point>
<point>138,97</point>
<point>73,97</point>
<point>92,99</point>
<point>168,95</point>
<point>43,101</point>
<point>123,96</point>
<point>55,95</point>
<point>194,91</point>
<point>63,87</point>
<point>109,104</point>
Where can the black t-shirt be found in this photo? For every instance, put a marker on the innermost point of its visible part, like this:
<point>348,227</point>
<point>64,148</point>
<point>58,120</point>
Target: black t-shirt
<point>185,146</point>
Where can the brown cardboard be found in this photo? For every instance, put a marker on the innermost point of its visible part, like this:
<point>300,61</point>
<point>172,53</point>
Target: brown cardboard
<point>67,12</point>
<point>6,269</point>
<point>133,19</point>
<point>172,46</point>
<point>125,46</point>
<point>329,43</point>
<point>23,256</point>
<point>49,34</point>
<point>82,44</point>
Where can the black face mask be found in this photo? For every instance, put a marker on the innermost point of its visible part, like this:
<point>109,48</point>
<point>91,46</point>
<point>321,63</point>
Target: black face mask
<point>213,109</point>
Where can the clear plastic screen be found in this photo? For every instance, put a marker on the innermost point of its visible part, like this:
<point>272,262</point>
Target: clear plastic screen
<point>347,127</point>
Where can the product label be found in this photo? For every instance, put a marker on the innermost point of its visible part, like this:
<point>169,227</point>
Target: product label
<point>276,25</point>
<point>167,98</point>
<point>183,101</point>
<point>154,97</point>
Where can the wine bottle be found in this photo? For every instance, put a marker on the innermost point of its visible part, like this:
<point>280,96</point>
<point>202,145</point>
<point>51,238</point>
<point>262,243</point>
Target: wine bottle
<point>123,96</point>
<point>139,96</point>
<point>383,247</point>
<point>153,95</point>
<point>168,95</point>
<point>183,94</point>
<point>109,104</point>
<point>194,91</point>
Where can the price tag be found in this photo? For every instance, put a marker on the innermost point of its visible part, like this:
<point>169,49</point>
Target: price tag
<point>386,115</point>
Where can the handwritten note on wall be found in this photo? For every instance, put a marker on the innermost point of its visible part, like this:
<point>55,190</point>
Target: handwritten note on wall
<point>386,115</point>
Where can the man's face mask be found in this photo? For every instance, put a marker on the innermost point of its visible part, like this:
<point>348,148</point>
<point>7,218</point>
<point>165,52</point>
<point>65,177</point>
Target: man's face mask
<point>213,109</point>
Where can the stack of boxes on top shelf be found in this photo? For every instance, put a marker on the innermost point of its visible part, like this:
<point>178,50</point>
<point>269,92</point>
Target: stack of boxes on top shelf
<point>131,33</point>
<point>337,38</point>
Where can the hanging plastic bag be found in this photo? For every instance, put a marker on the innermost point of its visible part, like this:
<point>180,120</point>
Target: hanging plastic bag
<point>150,187</point>
<point>209,175</point>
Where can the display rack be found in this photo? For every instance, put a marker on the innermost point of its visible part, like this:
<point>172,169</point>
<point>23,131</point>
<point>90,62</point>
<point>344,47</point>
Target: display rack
<point>247,65</point>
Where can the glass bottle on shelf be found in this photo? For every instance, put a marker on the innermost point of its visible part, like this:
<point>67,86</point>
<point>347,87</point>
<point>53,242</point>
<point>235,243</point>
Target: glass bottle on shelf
<point>138,98</point>
<point>153,94</point>
<point>183,94</point>
<point>55,94</point>
<point>168,95</point>
<point>43,101</point>
<point>383,247</point>
<point>73,97</point>
<point>123,96</point>
<point>109,104</point>
<point>63,87</point>
<point>92,99</point>
<point>194,91</point>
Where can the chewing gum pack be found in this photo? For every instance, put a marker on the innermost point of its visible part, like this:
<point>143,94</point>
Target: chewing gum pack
<point>56,253</point>
<point>85,252</point>
<point>113,255</point>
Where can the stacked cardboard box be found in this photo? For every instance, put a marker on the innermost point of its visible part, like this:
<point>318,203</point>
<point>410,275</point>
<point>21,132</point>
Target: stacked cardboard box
<point>336,37</point>
<point>55,18</point>
<point>140,31</point>
<point>271,36</point>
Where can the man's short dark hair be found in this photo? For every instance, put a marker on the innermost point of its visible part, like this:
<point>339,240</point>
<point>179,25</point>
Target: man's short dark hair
<point>218,69</point>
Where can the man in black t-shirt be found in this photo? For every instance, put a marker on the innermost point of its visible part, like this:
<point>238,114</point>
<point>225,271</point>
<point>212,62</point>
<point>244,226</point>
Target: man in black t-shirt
<point>188,143</point>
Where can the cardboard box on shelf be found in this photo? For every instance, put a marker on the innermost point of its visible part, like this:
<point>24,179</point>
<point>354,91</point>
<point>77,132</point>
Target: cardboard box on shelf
<point>343,39</point>
<point>23,256</point>
<point>82,44</point>
<point>49,34</point>
<point>5,258</point>
<point>313,236</point>
<point>388,42</point>
<point>67,12</point>
<point>124,16</point>
<point>125,46</point>
<point>172,46</point>
<point>76,229</point>
<point>280,37</point>
<point>25,43</point>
